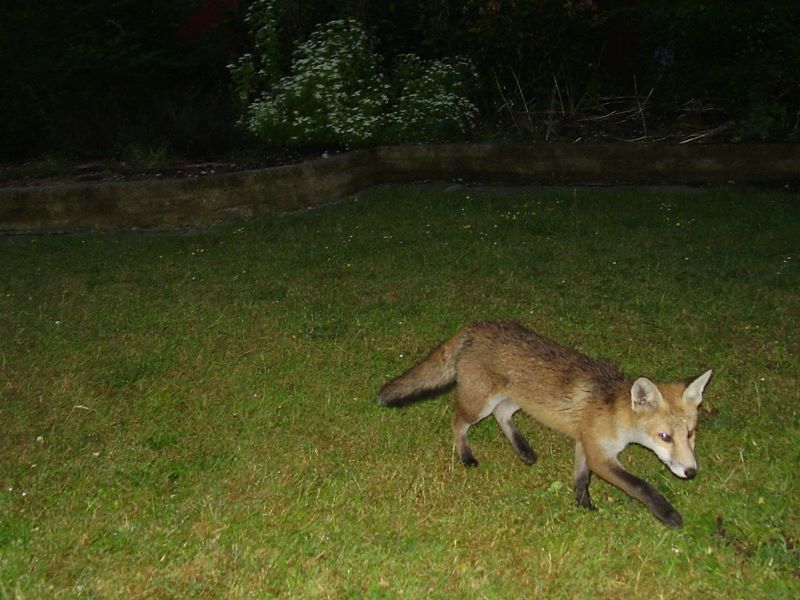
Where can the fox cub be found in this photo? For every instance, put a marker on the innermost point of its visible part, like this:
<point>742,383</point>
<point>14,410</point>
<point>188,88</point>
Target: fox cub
<point>501,367</point>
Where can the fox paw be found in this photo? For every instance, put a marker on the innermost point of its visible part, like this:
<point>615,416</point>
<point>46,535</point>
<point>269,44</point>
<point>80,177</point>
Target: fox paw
<point>528,456</point>
<point>671,518</point>
<point>584,500</point>
<point>468,459</point>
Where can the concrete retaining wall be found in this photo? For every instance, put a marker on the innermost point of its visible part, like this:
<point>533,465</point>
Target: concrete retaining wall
<point>597,164</point>
<point>178,203</point>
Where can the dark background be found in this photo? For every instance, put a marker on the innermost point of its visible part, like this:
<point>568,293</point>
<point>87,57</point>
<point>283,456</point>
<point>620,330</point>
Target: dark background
<point>103,78</point>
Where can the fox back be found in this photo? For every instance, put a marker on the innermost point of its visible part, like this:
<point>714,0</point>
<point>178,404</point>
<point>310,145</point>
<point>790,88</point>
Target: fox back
<point>552,383</point>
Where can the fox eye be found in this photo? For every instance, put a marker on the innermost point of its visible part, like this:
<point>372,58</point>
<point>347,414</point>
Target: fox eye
<point>665,437</point>
<point>691,433</point>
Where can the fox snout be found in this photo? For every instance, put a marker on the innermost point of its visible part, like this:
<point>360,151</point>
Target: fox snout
<point>683,472</point>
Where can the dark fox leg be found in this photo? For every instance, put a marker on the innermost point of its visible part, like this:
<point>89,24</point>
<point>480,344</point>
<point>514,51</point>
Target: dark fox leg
<point>582,476</point>
<point>503,414</point>
<point>461,425</point>
<point>615,474</point>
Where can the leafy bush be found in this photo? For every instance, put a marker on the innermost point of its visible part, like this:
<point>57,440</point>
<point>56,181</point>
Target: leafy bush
<point>90,78</point>
<point>335,94</point>
<point>338,94</point>
<point>746,55</point>
<point>767,120</point>
<point>430,100</point>
<point>254,72</point>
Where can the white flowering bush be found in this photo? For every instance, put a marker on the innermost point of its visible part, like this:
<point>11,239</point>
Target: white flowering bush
<point>337,94</point>
<point>431,100</point>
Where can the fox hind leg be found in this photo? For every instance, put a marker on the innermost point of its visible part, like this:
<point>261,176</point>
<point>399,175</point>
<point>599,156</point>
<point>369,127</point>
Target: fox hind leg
<point>461,425</point>
<point>472,405</point>
<point>503,413</point>
<point>581,478</point>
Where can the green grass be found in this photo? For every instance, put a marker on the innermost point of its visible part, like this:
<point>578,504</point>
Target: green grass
<point>193,415</point>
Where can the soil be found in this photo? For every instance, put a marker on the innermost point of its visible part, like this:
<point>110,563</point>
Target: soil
<point>42,173</point>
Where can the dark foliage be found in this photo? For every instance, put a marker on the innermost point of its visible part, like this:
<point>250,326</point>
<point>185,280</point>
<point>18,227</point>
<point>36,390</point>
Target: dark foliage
<point>100,77</point>
<point>105,77</point>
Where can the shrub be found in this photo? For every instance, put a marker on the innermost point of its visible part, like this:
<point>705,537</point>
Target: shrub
<point>744,55</point>
<point>431,101</point>
<point>335,94</point>
<point>254,72</point>
<point>88,79</point>
<point>338,94</point>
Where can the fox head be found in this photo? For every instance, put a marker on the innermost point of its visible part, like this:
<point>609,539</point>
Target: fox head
<point>666,418</point>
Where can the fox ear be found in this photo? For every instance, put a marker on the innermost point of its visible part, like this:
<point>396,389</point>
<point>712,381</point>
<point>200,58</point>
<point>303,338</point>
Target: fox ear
<point>693,394</point>
<point>644,394</point>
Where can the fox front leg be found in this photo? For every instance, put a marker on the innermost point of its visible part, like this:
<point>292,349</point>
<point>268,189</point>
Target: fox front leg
<point>615,474</point>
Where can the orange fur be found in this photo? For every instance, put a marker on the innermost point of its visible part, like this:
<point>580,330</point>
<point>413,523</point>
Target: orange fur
<point>499,367</point>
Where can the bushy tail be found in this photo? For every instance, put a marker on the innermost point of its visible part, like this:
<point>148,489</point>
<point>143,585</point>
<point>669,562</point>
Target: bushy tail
<point>429,377</point>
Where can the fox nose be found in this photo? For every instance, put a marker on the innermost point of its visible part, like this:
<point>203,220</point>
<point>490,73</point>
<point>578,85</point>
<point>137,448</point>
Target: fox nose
<point>690,473</point>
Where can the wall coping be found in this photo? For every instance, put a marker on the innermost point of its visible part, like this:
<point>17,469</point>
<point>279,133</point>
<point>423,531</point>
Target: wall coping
<point>165,204</point>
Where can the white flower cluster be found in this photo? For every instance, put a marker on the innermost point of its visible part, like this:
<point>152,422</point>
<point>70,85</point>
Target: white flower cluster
<point>337,94</point>
<point>431,102</point>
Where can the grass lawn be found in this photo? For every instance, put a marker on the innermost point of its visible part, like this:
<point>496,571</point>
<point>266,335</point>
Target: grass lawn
<point>193,415</point>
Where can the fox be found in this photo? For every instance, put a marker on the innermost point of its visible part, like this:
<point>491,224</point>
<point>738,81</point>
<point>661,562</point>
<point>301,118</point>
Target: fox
<point>501,367</point>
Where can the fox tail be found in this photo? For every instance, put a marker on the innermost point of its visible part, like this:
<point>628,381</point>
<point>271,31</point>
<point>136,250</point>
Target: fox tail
<point>433,375</point>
